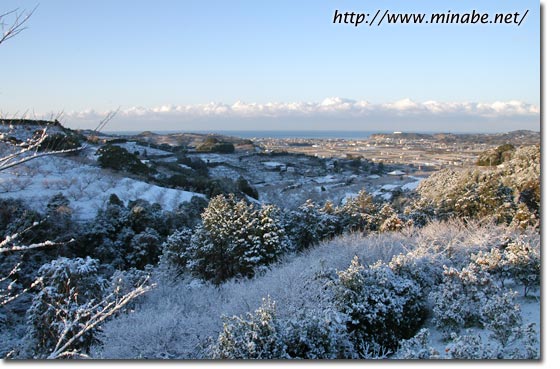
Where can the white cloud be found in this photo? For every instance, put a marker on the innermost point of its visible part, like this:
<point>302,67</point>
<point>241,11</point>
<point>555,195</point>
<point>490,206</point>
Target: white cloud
<point>334,105</point>
<point>330,110</point>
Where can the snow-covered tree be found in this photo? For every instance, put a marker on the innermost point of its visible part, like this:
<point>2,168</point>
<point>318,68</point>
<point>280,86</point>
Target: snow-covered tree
<point>502,316</point>
<point>523,263</point>
<point>417,347</point>
<point>263,335</point>
<point>235,239</point>
<point>175,255</point>
<point>310,224</point>
<point>68,287</point>
<point>144,249</point>
<point>256,336</point>
<point>459,298</point>
<point>382,307</point>
<point>359,213</point>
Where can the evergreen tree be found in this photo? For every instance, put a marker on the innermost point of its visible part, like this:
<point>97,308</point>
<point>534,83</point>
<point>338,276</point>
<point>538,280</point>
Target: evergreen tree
<point>235,239</point>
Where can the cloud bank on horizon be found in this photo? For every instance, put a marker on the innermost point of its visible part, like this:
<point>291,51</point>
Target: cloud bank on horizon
<point>333,113</point>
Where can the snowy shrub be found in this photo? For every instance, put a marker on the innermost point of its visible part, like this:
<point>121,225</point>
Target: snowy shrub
<point>524,264</point>
<point>317,337</point>
<point>458,299</point>
<point>524,218</point>
<point>502,316</point>
<point>529,346</point>
<point>235,239</point>
<point>144,249</point>
<point>63,304</point>
<point>175,256</point>
<point>382,308</point>
<point>417,347</point>
<point>469,347</point>
<point>359,213</point>
<point>308,225</point>
<point>493,262</point>
<point>257,336</point>
<point>423,268</point>
<point>391,224</point>
<point>263,335</point>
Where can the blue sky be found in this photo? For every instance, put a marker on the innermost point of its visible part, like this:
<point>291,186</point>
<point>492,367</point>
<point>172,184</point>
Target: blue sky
<point>271,65</point>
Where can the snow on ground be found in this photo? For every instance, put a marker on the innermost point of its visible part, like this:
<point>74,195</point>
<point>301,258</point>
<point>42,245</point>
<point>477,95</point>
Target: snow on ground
<point>530,307</point>
<point>26,131</point>
<point>389,187</point>
<point>327,179</point>
<point>87,187</point>
<point>212,158</point>
<point>133,147</point>
<point>411,186</point>
<point>222,171</point>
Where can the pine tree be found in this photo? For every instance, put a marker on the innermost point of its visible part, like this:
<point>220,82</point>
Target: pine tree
<point>235,239</point>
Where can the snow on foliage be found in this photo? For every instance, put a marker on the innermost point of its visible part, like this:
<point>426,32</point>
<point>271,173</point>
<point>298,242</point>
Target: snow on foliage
<point>183,317</point>
<point>262,335</point>
<point>459,298</point>
<point>235,239</point>
<point>509,192</point>
<point>382,307</point>
<point>68,288</point>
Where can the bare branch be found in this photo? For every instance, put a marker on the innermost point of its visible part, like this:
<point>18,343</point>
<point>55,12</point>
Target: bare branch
<point>33,246</point>
<point>30,149</point>
<point>16,26</point>
<point>110,115</point>
<point>108,310</point>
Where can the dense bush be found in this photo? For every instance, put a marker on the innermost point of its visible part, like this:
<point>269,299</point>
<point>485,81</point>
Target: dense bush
<point>262,335</point>
<point>59,141</point>
<point>175,254</point>
<point>502,317</point>
<point>496,156</point>
<point>144,249</point>
<point>310,224</point>
<point>245,187</point>
<point>317,337</point>
<point>423,268</point>
<point>523,263</point>
<point>507,193</point>
<point>235,240</point>
<point>518,261</point>
<point>213,144</point>
<point>118,158</point>
<point>132,235</point>
<point>417,347</point>
<point>63,304</point>
<point>383,308</point>
<point>459,298</point>
<point>257,336</point>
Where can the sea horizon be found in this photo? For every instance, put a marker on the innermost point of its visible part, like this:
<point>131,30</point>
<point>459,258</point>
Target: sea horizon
<point>286,134</point>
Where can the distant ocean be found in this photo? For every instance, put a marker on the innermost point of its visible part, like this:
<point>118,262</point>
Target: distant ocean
<point>347,135</point>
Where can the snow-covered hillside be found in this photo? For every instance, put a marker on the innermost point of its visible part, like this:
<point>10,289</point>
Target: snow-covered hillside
<point>88,187</point>
<point>176,320</point>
